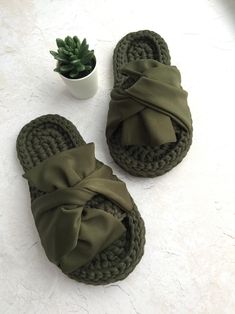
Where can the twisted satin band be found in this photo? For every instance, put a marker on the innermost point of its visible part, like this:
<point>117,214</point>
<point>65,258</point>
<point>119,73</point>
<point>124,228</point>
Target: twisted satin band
<point>144,111</point>
<point>71,234</point>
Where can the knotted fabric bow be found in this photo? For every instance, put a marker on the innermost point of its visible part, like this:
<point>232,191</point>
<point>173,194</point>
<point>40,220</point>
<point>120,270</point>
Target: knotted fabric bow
<point>145,110</point>
<point>71,234</point>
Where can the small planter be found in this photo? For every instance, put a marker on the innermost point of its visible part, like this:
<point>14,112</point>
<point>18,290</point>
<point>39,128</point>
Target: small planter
<point>77,66</point>
<point>83,88</point>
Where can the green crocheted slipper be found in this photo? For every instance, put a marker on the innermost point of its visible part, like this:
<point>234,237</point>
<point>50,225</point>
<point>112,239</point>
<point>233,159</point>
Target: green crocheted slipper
<point>149,126</point>
<point>87,221</point>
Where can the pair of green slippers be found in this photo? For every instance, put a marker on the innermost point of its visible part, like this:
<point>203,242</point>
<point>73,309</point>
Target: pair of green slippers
<point>88,223</point>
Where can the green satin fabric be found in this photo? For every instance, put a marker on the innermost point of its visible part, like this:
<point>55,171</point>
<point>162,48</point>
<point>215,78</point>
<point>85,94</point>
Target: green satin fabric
<point>70,234</point>
<point>145,110</point>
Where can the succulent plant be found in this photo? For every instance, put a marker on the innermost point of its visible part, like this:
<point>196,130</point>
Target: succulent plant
<point>75,60</point>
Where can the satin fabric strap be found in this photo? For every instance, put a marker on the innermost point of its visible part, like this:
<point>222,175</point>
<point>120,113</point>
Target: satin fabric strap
<point>71,234</point>
<point>145,110</point>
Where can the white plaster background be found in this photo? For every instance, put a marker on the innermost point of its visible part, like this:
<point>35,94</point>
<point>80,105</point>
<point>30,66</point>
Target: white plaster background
<point>189,261</point>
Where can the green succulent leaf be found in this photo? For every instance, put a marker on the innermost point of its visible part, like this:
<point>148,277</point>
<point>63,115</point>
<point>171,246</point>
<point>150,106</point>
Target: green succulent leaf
<point>80,67</point>
<point>73,57</point>
<point>76,62</point>
<point>60,42</point>
<point>77,41</point>
<point>83,44</point>
<point>76,51</point>
<point>88,67</point>
<point>68,48</point>
<point>66,67</point>
<point>63,51</point>
<point>53,53</point>
<point>69,41</point>
<point>83,48</point>
<point>61,59</point>
<point>63,56</point>
<point>74,74</point>
<point>88,57</point>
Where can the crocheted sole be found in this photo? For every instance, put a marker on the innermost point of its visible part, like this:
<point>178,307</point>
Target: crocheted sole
<point>145,161</point>
<point>50,134</point>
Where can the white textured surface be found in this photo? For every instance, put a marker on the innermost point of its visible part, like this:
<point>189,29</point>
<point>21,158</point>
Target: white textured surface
<point>189,261</point>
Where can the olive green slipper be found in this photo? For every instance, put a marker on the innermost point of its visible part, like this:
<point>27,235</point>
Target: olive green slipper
<point>87,221</point>
<point>149,126</point>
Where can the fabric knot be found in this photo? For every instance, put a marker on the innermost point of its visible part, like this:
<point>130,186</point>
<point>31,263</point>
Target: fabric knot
<point>70,234</point>
<point>145,111</point>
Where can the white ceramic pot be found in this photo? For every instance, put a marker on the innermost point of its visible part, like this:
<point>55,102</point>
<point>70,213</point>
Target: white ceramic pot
<point>85,87</point>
